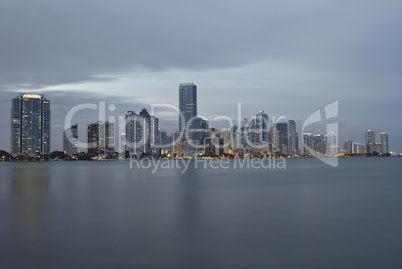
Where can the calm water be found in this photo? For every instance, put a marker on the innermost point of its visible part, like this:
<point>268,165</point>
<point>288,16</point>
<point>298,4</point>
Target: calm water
<point>105,215</point>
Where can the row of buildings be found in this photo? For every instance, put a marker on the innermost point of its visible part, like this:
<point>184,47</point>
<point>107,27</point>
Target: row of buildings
<point>257,135</point>
<point>370,146</point>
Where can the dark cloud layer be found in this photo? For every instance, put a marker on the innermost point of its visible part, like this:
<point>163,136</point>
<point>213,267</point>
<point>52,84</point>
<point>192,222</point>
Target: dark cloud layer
<point>333,50</point>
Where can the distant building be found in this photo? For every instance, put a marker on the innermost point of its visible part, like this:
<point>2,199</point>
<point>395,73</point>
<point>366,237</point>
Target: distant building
<point>213,145</point>
<point>187,106</point>
<point>307,143</point>
<point>293,139</point>
<point>293,144</point>
<point>378,148</point>
<point>359,148</point>
<point>101,138</point>
<point>384,142</point>
<point>274,139</point>
<point>261,125</point>
<point>142,133</point>
<point>201,130</point>
<point>177,144</point>
<point>332,143</point>
<point>292,127</point>
<point>348,146</point>
<point>188,121</point>
<point>227,141</point>
<point>370,141</point>
<point>319,144</point>
<point>283,130</point>
<point>70,140</point>
<point>30,125</point>
<point>123,145</point>
<point>262,148</point>
<point>152,132</point>
<point>163,139</point>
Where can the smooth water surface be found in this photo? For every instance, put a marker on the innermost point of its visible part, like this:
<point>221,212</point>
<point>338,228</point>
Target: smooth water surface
<point>106,215</point>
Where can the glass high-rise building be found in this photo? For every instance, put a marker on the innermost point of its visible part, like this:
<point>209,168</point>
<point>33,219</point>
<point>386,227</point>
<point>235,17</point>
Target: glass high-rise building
<point>142,133</point>
<point>292,126</point>
<point>30,125</point>
<point>384,142</point>
<point>293,144</point>
<point>370,141</point>
<point>293,138</point>
<point>101,138</point>
<point>282,127</point>
<point>261,127</point>
<point>187,105</point>
<point>307,143</point>
<point>152,133</point>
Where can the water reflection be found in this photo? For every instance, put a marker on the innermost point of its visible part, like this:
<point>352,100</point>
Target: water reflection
<point>27,216</point>
<point>30,179</point>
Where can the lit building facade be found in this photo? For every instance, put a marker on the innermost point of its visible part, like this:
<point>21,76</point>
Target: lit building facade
<point>293,138</point>
<point>307,143</point>
<point>30,125</point>
<point>332,143</point>
<point>282,127</point>
<point>370,141</point>
<point>187,106</point>
<point>214,146</point>
<point>348,146</point>
<point>142,133</point>
<point>293,144</point>
<point>359,148</point>
<point>274,139</point>
<point>261,125</point>
<point>292,126</point>
<point>101,138</point>
<point>384,142</point>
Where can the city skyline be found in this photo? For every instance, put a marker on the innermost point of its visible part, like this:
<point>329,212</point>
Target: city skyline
<point>257,135</point>
<point>314,53</point>
<point>200,134</point>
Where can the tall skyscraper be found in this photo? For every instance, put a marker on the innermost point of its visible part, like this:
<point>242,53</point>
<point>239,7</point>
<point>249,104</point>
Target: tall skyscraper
<point>163,139</point>
<point>307,143</point>
<point>101,138</point>
<point>261,125</point>
<point>142,132</point>
<point>332,143</point>
<point>293,144</point>
<point>319,144</point>
<point>152,139</point>
<point>187,105</point>
<point>135,137</point>
<point>70,140</point>
<point>293,139</point>
<point>384,142</point>
<point>30,125</point>
<point>370,141</point>
<point>274,138</point>
<point>292,127</point>
<point>282,127</point>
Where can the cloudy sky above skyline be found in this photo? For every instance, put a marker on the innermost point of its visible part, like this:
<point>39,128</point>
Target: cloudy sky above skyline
<point>286,57</point>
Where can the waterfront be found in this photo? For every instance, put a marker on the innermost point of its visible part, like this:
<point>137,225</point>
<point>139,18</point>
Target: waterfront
<point>106,215</point>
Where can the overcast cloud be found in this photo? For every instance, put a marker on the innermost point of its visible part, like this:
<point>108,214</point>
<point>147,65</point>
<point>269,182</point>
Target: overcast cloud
<point>285,57</point>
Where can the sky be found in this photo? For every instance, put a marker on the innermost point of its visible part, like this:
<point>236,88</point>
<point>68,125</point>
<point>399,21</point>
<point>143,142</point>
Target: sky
<point>288,58</point>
